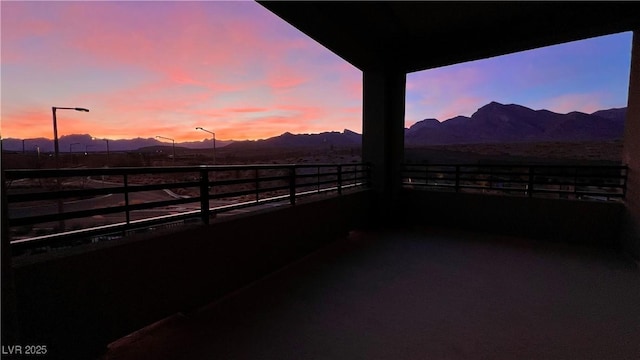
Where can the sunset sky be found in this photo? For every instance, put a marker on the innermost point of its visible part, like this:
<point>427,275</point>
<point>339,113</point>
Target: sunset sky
<point>164,68</point>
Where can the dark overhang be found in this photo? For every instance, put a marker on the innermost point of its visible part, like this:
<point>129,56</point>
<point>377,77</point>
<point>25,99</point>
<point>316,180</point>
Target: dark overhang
<point>412,36</point>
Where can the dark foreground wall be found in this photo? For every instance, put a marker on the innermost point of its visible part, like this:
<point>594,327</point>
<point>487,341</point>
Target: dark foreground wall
<point>76,303</point>
<point>631,153</point>
<point>582,222</point>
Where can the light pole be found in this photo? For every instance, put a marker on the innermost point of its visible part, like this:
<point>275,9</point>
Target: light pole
<point>56,148</point>
<point>23,142</point>
<point>107,140</point>
<point>71,145</point>
<point>174,146</point>
<point>214,142</point>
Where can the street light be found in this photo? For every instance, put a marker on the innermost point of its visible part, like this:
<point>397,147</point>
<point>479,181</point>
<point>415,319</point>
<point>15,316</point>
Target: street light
<point>57,151</point>
<point>71,145</point>
<point>174,146</point>
<point>86,148</point>
<point>107,140</point>
<point>214,142</point>
<point>23,144</point>
<point>55,129</point>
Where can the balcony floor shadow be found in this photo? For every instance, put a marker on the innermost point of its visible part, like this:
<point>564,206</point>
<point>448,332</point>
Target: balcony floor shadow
<point>417,294</point>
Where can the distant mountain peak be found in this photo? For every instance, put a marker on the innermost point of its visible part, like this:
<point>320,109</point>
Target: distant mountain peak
<point>426,123</point>
<point>500,123</point>
<point>459,118</point>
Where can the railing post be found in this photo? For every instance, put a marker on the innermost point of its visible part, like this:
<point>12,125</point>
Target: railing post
<point>339,179</point>
<point>575,182</point>
<point>204,196</point>
<point>530,189</point>
<point>426,177</point>
<point>292,185</point>
<point>624,169</point>
<point>490,178</point>
<point>125,181</point>
<point>257,186</point>
<point>457,178</point>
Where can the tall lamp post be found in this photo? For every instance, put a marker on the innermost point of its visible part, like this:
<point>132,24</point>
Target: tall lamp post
<point>214,142</point>
<point>56,148</point>
<point>107,140</point>
<point>23,147</point>
<point>174,146</point>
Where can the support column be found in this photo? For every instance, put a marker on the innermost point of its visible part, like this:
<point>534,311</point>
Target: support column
<point>631,153</point>
<point>383,135</point>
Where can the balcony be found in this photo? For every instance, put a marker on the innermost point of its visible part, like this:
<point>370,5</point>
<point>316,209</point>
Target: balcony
<point>414,294</point>
<point>379,272</point>
<point>308,262</point>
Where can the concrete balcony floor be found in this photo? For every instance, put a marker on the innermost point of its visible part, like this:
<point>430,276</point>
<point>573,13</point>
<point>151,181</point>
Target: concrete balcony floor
<point>417,294</point>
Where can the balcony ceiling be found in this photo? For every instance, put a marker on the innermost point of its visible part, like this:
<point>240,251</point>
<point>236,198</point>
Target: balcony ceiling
<point>413,36</point>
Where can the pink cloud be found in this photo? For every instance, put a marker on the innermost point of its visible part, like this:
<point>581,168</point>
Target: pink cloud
<point>248,110</point>
<point>234,68</point>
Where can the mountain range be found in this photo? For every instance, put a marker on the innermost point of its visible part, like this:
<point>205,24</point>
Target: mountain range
<point>498,123</point>
<point>492,123</point>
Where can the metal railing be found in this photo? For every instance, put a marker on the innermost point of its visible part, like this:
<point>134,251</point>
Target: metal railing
<point>550,181</point>
<point>72,204</point>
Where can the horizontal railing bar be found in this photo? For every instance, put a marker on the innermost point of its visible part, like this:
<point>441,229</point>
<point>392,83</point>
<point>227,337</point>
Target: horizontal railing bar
<point>274,188</point>
<point>164,186</point>
<point>232,194</point>
<point>548,191</point>
<point>578,183</point>
<point>217,183</point>
<point>604,181</point>
<point>315,175</point>
<point>45,240</point>
<point>317,183</point>
<point>13,174</point>
<point>503,173</point>
<point>550,166</point>
<point>51,195</point>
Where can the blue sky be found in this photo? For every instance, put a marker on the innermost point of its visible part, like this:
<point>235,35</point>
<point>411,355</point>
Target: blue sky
<point>586,75</point>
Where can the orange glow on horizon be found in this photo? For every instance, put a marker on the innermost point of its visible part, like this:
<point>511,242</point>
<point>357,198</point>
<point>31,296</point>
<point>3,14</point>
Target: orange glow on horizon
<point>233,68</point>
<point>40,125</point>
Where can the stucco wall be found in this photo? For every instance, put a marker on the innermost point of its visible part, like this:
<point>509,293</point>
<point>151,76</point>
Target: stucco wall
<point>573,221</point>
